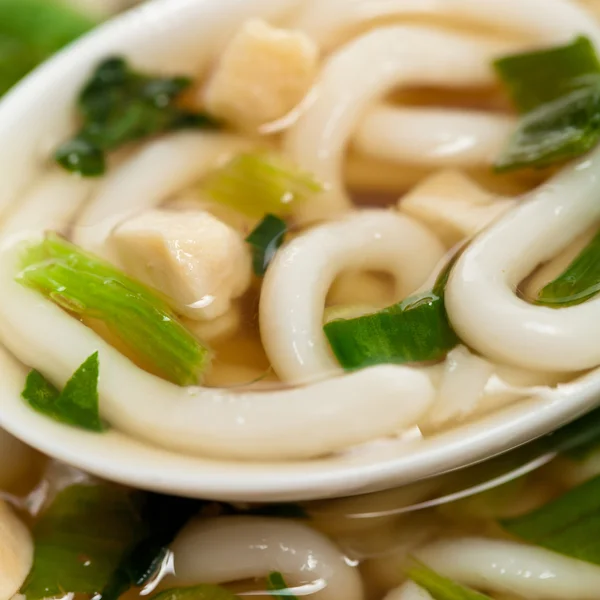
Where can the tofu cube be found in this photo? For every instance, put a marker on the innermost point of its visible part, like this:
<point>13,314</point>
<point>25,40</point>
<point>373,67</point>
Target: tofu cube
<point>191,256</point>
<point>263,74</point>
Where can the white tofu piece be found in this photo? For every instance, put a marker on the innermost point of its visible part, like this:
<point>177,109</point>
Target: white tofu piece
<point>452,206</point>
<point>263,74</point>
<point>191,256</point>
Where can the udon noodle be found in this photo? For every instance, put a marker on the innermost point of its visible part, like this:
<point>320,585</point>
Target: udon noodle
<point>393,111</point>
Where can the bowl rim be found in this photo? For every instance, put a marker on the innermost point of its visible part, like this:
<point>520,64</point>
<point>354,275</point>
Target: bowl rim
<point>47,94</point>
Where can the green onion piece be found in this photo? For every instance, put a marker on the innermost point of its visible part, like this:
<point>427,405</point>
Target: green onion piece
<point>414,330</point>
<point>265,239</point>
<point>554,132</point>
<point>164,516</point>
<point>76,405</point>
<point>558,90</point>
<point>258,183</point>
<point>579,282</point>
<point>196,592</point>
<point>80,539</point>
<point>442,588</point>
<point>538,77</point>
<point>139,316</point>
<point>568,525</point>
<point>33,30</point>
<point>119,105</point>
<point>278,588</point>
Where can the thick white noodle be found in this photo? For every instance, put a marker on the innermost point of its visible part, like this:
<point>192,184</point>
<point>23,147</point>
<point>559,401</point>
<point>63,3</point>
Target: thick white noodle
<point>541,20</point>
<point>434,137</point>
<point>158,170</point>
<point>50,204</point>
<point>480,295</point>
<point>512,568</point>
<point>237,548</point>
<point>275,425</point>
<point>362,72</point>
<point>409,591</point>
<point>294,290</point>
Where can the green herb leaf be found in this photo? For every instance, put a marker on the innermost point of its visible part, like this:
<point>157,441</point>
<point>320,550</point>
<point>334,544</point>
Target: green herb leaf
<point>259,183</point>
<point>119,105</point>
<point>569,525</point>
<point>196,592</point>
<point>414,330</point>
<point>265,239</point>
<point>538,77</point>
<point>278,587</point>
<point>579,282</point>
<point>442,588</point>
<point>76,405</point>
<point>80,539</point>
<point>555,132</point>
<point>139,316</point>
<point>33,30</point>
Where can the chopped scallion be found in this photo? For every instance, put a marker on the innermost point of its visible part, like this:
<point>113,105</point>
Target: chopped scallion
<point>119,105</point>
<point>442,588</point>
<point>414,330</point>
<point>278,587</point>
<point>258,183</point>
<point>265,239</point>
<point>538,77</point>
<point>558,91</point>
<point>137,315</point>
<point>80,540</point>
<point>76,405</point>
<point>568,525</point>
<point>579,282</point>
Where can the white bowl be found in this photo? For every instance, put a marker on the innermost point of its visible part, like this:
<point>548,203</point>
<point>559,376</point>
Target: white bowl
<point>179,36</point>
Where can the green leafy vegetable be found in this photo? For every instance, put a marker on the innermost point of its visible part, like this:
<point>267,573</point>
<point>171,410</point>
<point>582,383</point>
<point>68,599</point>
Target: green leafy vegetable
<point>119,105</point>
<point>414,330</point>
<point>76,405</point>
<point>259,183</point>
<point>558,90</point>
<point>278,587</point>
<point>33,30</point>
<point>164,516</point>
<point>538,77</point>
<point>442,588</point>
<point>137,315</point>
<point>568,525</point>
<point>579,282</point>
<point>265,239</point>
<point>196,592</point>
<point>80,539</point>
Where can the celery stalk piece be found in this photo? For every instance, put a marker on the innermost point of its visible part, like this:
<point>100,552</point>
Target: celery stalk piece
<point>259,183</point>
<point>138,315</point>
